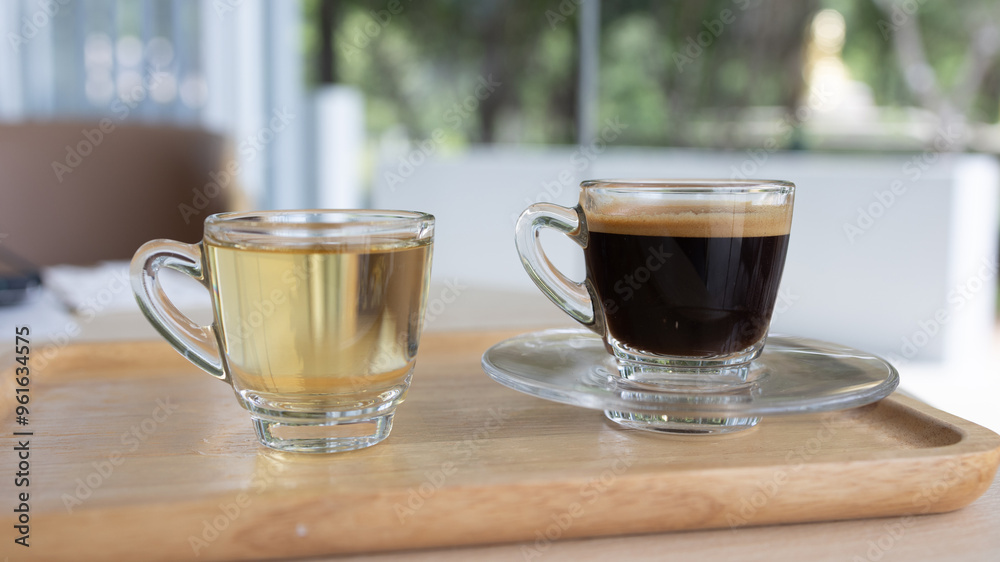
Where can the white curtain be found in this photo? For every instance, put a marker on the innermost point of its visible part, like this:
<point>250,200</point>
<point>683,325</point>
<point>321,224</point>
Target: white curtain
<point>231,66</point>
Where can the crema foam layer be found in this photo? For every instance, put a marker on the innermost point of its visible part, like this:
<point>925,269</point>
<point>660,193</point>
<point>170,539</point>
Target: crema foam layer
<point>717,220</point>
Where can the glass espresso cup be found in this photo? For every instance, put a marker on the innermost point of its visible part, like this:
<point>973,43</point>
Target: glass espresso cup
<point>317,317</point>
<point>682,275</point>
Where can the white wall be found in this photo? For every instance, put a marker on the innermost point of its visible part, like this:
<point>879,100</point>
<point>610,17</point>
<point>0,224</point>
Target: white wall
<point>882,285</point>
<point>476,198</point>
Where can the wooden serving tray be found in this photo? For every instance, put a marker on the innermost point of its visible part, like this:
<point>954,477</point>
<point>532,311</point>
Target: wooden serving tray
<point>135,454</point>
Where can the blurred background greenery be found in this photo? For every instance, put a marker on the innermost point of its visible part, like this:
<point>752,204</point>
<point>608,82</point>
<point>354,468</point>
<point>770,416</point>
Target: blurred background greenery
<point>714,73</point>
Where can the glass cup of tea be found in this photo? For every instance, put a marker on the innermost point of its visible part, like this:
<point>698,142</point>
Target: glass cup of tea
<point>682,275</point>
<point>317,317</point>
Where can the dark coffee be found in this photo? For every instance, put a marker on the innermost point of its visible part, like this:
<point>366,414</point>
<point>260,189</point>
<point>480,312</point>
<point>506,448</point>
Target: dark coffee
<point>687,286</point>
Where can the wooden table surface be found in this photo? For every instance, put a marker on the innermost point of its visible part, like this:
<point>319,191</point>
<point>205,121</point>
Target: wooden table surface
<point>967,534</point>
<point>971,533</point>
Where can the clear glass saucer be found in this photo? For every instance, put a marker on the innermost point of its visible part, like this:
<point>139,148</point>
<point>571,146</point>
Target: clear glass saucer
<point>792,376</point>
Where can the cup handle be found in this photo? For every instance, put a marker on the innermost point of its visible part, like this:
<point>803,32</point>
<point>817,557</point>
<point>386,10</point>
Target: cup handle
<point>576,299</point>
<point>197,343</point>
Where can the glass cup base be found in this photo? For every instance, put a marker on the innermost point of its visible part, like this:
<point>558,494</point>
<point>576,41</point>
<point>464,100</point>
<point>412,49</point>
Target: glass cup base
<point>681,425</point>
<point>331,437</point>
<point>321,424</point>
<point>733,379</point>
<point>716,370</point>
<point>720,379</point>
<point>729,384</point>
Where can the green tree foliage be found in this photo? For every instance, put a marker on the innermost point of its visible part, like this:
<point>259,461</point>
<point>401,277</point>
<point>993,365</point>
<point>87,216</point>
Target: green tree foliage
<point>664,66</point>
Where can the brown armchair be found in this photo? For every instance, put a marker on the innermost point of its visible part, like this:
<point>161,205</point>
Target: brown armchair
<point>82,192</point>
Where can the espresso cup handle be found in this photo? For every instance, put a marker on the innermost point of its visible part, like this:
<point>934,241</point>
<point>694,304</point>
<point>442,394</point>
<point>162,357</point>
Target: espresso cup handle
<point>197,343</point>
<point>574,298</point>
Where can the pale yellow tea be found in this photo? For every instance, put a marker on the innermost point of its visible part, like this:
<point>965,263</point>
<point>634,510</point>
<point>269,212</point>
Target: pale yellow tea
<point>312,327</point>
